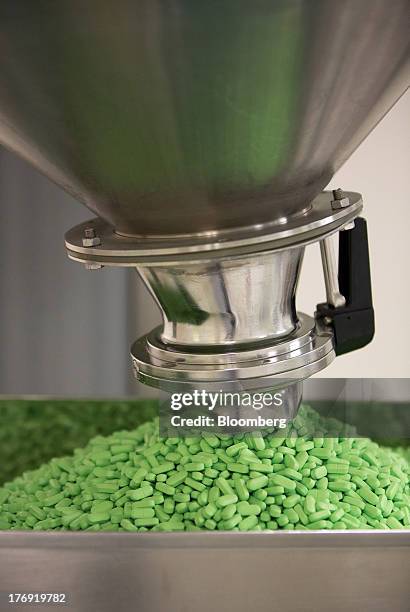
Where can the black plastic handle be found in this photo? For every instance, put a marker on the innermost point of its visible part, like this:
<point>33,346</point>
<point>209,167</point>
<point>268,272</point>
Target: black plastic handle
<point>353,324</point>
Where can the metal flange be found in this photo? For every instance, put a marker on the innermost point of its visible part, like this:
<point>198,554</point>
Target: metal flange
<point>303,353</point>
<point>318,221</point>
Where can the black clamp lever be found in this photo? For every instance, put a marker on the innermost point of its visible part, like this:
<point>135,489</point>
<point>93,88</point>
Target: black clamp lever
<point>353,322</point>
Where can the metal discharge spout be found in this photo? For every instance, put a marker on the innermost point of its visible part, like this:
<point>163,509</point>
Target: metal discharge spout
<point>225,303</point>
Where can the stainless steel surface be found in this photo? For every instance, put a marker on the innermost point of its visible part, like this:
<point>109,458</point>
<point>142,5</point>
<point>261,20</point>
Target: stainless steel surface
<point>229,320</point>
<point>333,295</point>
<point>213,297</point>
<point>223,310</point>
<point>293,344</point>
<point>319,221</point>
<point>185,117</point>
<point>299,355</point>
<point>292,572</point>
<point>227,303</point>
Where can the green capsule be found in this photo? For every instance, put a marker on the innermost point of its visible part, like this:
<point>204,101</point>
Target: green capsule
<point>228,512</point>
<point>317,525</point>
<point>98,517</point>
<point>203,497</point>
<point>232,522</point>
<point>52,500</point>
<point>259,482</point>
<point>194,467</point>
<point>319,472</point>
<point>244,508</point>
<point>340,485</point>
<point>260,467</point>
<point>392,490</point>
<point>137,494</point>
<point>367,494</point>
<point>310,505</point>
<point>211,473</point>
<point>301,514</point>
<point>226,500</point>
<point>283,481</point>
<point>321,453</point>
<point>248,523</point>
<point>319,515</point>
<point>238,468</point>
<point>291,501</point>
<point>233,450</point>
<point>176,478</point>
<point>292,515</point>
<point>146,522</point>
<point>282,520</point>
<point>214,493</point>
<point>337,468</point>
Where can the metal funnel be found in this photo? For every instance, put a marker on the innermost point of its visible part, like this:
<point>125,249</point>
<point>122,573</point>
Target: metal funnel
<point>184,116</point>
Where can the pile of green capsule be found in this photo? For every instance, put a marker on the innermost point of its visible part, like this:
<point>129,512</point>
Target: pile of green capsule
<point>33,431</point>
<point>136,481</point>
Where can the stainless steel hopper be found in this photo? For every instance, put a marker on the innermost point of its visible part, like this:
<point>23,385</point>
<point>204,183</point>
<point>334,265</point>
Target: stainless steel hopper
<point>201,135</point>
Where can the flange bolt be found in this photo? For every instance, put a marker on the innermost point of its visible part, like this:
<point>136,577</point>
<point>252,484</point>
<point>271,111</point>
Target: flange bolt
<point>90,237</point>
<point>340,199</point>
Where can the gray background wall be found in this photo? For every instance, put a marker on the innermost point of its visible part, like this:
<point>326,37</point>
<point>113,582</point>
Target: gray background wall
<point>66,331</point>
<point>379,170</point>
<point>63,330</point>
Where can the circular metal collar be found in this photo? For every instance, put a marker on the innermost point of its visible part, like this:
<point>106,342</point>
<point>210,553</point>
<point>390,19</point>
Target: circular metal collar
<point>320,220</point>
<point>307,351</point>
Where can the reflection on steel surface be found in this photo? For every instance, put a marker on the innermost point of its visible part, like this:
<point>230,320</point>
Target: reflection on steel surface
<point>186,116</point>
<point>153,572</point>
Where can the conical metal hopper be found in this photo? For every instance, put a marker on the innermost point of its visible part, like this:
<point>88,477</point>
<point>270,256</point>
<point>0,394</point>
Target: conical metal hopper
<point>185,116</point>
<point>201,133</point>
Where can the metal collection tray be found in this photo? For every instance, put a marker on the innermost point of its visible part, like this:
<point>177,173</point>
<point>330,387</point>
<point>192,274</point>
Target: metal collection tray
<point>203,572</point>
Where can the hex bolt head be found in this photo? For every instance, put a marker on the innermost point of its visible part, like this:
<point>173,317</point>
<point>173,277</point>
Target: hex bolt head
<point>340,199</point>
<point>90,237</point>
